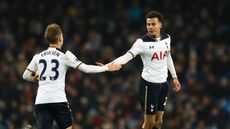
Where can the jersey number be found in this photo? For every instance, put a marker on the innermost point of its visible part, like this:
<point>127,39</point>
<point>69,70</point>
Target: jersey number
<point>54,69</point>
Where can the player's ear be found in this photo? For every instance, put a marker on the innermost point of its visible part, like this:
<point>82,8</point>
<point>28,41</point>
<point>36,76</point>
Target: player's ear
<point>60,38</point>
<point>160,24</point>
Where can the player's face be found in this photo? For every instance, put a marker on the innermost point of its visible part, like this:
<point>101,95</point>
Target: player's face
<point>153,26</point>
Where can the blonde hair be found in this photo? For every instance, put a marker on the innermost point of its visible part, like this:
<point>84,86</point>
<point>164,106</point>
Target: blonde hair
<point>52,32</point>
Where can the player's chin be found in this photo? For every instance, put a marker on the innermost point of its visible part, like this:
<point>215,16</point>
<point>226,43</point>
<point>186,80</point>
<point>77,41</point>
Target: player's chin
<point>152,34</point>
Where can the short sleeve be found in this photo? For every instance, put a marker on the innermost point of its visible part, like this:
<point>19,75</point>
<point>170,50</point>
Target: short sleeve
<point>136,49</point>
<point>72,60</point>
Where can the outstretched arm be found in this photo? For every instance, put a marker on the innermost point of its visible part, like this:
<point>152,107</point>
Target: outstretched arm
<point>124,58</point>
<point>90,68</point>
<point>97,69</point>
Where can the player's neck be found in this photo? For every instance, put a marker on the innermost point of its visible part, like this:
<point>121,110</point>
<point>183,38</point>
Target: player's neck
<point>153,36</point>
<point>54,46</point>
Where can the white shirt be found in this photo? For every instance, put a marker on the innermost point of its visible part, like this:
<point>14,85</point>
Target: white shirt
<point>52,65</point>
<point>155,55</point>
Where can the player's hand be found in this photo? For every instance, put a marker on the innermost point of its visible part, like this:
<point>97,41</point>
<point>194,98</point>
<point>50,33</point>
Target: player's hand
<point>176,84</point>
<point>114,67</point>
<point>36,76</point>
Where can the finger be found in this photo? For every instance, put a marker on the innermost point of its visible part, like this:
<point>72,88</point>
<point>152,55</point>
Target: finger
<point>119,67</point>
<point>176,88</point>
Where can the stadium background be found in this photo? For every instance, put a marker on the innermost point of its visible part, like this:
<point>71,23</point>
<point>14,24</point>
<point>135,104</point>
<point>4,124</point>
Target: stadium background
<point>101,30</point>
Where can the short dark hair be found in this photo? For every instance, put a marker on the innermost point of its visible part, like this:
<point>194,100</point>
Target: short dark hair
<point>52,32</point>
<point>153,14</point>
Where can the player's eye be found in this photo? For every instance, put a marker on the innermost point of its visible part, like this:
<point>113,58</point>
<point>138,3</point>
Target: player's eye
<point>149,24</point>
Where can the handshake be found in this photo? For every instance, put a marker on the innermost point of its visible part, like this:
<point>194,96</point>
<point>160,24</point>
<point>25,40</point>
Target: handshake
<point>114,67</point>
<point>111,66</point>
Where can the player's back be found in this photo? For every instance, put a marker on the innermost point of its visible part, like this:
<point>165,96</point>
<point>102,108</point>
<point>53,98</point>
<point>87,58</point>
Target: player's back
<point>52,67</point>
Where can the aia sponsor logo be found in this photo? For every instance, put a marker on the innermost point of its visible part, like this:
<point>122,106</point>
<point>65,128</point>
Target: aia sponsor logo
<point>159,55</point>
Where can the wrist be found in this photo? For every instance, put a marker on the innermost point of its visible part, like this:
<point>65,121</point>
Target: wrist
<point>106,68</point>
<point>174,76</point>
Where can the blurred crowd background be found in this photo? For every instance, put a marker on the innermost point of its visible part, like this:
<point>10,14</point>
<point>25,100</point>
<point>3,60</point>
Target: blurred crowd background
<point>100,31</point>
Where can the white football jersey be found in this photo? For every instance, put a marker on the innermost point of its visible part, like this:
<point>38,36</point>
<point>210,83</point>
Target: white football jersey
<point>52,65</point>
<point>154,57</point>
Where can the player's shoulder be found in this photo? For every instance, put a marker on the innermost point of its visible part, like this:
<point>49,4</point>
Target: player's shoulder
<point>60,50</point>
<point>164,36</point>
<point>70,55</point>
<point>146,38</point>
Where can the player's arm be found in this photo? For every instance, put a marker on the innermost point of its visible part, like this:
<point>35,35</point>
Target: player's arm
<point>170,65</point>
<point>124,58</point>
<point>74,62</point>
<point>135,50</point>
<point>172,70</point>
<point>30,75</point>
<point>97,69</point>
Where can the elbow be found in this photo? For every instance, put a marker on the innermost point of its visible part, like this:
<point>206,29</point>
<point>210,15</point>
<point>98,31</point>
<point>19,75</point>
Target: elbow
<point>24,76</point>
<point>27,76</point>
<point>85,71</point>
<point>84,68</point>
